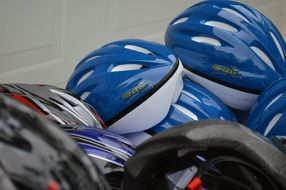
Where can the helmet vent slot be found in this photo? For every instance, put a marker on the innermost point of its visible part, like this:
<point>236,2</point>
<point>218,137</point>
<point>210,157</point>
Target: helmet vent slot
<point>263,56</point>
<point>84,77</point>
<point>272,123</point>
<point>221,25</point>
<point>126,67</point>
<point>235,13</point>
<point>92,58</point>
<point>206,40</point>
<point>278,45</point>
<point>181,20</point>
<point>186,112</point>
<point>138,49</point>
<point>273,101</point>
<point>84,95</point>
<point>190,95</point>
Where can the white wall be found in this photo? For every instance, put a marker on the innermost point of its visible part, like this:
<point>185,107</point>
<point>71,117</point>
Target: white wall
<point>41,41</point>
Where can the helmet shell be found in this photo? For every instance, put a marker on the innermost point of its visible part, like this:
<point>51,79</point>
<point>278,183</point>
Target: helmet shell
<point>131,83</point>
<point>58,105</point>
<point>194,103</point>
<point>37,155</point>
<point>229,48</point>
<point>268,115</point>
<point>102,144</point>
<point>178,147</point>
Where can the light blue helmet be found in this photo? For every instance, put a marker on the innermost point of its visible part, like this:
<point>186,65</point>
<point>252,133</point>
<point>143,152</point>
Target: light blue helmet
<point>229,48</point>
<point>131,83</point>
<point>194,103</point>
<point>268,115</point>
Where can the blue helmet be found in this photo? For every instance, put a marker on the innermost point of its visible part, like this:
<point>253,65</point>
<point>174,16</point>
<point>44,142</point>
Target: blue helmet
<point>108,150</point>
<point>194,103</point>
<point>229,48</point>
<point>98,143</point>
<point>131,83</point>
<point>268,115</point>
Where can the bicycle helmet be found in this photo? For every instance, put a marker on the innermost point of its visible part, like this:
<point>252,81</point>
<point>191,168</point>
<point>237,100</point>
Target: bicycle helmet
<point>58,105</point>
<point>206,154</point>
<point>194,103</point>
<point>108,150</point>
<point>36,155</point>
<point>268,115</point>
<point>131,83</point>
<point>229,48</point>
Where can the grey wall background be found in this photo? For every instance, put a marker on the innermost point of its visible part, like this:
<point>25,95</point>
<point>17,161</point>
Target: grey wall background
<point>41,41</point>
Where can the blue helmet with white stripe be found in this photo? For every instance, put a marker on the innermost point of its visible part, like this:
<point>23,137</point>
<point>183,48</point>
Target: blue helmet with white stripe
<point>268,115</point>
<point>194,103</point>
<point>229,48</point>
<point>131,83</point>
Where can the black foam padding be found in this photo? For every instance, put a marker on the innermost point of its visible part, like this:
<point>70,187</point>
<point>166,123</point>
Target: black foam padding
<point>154,155</point>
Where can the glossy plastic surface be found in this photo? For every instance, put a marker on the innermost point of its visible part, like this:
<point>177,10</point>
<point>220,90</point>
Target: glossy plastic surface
<point>36,154</point>
<point>194,103</point>
<point>228,43</point>
<point>268,115</point>
<point>120,76</point>
<point>200,103</point>
<point>102,141</point>
<point>58,105</point>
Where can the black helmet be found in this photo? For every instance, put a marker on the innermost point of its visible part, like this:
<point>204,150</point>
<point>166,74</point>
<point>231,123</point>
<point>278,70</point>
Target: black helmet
<point>35,155</point>
<point>206,154</point>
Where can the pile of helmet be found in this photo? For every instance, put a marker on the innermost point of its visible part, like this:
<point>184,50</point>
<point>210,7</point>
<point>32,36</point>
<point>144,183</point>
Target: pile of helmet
<point>220,58</point>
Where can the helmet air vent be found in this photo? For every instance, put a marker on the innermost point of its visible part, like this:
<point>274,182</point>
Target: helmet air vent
<point>206,40</point>
<point>138,49</point>
<point>126,67</point>
<point>263,56</point>
<point>181,20</point>
<point>221,25</point>
<point>235,13</point>
<point>84,95</point>
<point>85,76</point>
<point>272,123</point>
<point>273,101</point>
<point>186,111</point>
<point>278,45</point>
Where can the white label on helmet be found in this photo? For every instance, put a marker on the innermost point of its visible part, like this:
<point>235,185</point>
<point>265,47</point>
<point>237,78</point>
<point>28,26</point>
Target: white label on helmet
<point>278,45</point>
<point>272,123</point>
<point>273,101</point>
<point>263,56</point>
<point>221,25</point>
<point>206,40</point>
<point>138,49</point>
<point>181,20</point>
<point>85,76</point>
<point>126,67</point>
<point>236,13</point>
<point>186,111</point>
